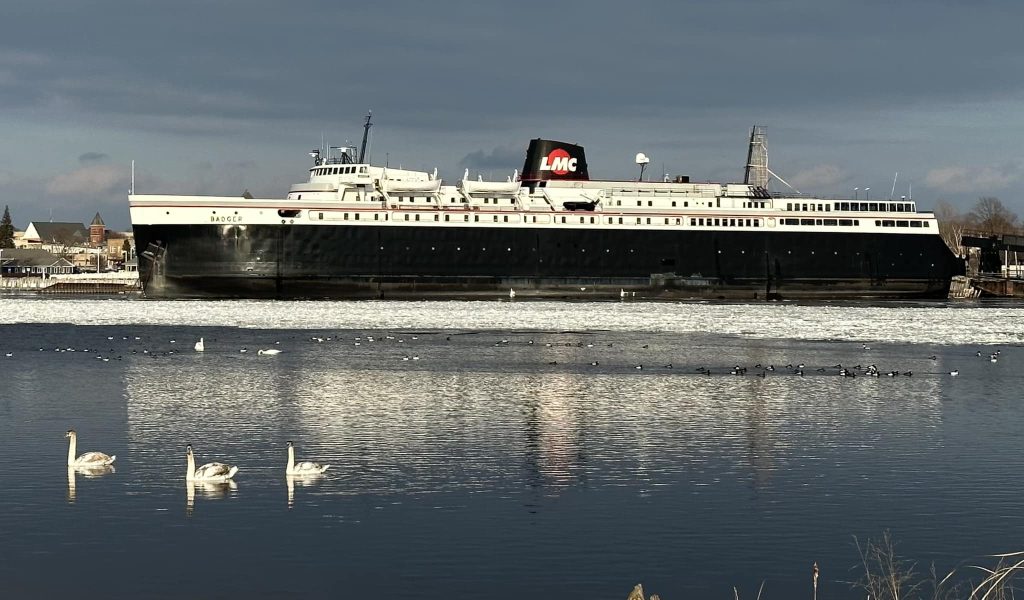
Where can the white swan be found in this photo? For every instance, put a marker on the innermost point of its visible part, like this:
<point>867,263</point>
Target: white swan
<point>212,472</point>
<point>200,347</point>
<point>270,352</point>
<point>303,468</point>
<point>89,459</point>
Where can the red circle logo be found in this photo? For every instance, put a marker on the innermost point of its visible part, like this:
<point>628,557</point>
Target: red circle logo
<point>559,161</point>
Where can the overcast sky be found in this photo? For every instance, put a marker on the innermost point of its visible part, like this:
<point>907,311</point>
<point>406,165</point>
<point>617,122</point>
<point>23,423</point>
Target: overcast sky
<point>218,97</point>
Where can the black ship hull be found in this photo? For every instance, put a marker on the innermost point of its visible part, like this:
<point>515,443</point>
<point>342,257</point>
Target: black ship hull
<point>402,262</point>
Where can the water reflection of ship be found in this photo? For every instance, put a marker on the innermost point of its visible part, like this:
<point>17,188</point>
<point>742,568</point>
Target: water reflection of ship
<point>87,472</point>
<point>554,452</point>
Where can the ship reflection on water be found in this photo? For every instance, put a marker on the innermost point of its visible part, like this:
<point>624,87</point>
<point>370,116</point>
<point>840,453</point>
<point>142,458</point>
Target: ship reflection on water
<point>515,462</point>
<point>477,416</point>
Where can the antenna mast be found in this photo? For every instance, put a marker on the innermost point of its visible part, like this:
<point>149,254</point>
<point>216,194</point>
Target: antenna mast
<point>366,134</point>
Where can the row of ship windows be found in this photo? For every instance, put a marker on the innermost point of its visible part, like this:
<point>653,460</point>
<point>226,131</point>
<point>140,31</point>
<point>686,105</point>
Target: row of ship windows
<point>339,170</point>
<point>876,206</point>
<point>852,206</point>
<point>694,221</point>
<point>854,222</point>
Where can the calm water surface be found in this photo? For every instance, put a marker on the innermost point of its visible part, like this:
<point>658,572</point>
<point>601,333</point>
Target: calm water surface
<point>502,463</point>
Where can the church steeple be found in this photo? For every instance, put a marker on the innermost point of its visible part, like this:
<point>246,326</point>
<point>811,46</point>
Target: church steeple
<point>97,230</point>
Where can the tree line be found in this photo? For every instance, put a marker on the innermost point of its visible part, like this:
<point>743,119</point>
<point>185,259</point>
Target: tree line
<point>988,216</point>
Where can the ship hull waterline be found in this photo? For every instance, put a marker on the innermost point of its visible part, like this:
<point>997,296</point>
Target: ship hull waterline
<point>361,262</point>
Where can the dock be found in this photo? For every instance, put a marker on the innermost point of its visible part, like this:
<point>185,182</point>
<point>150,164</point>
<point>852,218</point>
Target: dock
<point>79,283</point>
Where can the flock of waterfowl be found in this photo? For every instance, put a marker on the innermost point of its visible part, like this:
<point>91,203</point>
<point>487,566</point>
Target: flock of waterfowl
<point>759,370</point>
<point>215,472</point>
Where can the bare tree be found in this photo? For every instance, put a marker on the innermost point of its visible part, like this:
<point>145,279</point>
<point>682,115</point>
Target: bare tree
<point>990,216</point>
<point>951,226</point>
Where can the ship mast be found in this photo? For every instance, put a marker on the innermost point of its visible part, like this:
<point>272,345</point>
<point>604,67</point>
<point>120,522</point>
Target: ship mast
<point>757,172</point>
<point>366,134</point>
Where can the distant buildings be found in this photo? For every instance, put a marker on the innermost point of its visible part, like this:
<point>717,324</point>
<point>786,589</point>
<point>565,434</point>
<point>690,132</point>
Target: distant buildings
<point>28,262</point>
<point>94,248</point>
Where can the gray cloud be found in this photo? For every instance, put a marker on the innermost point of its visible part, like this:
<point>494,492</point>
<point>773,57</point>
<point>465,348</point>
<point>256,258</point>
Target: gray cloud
<point>501,157</point>
<point>866,87</point>
<point>92,157</point>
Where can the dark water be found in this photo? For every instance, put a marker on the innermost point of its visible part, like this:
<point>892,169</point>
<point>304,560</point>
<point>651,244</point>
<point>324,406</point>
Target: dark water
<point>484,470</point>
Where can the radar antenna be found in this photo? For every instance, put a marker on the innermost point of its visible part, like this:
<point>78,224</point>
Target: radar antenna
<point>366,134</point>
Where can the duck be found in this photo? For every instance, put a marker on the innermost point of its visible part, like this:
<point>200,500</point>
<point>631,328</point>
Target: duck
<point>271,352</point>
<point>303,468</point>
<point>89,459</point>
<point>200,347</point>
<point>212,472</point>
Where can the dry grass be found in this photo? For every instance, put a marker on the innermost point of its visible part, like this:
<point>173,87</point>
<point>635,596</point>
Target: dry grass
<point>886,576</point>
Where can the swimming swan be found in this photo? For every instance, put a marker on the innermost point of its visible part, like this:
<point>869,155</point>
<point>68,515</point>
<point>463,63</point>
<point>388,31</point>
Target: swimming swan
<point>200,347</point>
<point>303,468</point>
<point>89,459</point>
<point>213,472</point>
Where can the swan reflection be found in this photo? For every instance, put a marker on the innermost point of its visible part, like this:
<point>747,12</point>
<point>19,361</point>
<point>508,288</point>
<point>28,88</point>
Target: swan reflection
<point>214,490</point>
<point>305,480</point>
<point>88,472</point>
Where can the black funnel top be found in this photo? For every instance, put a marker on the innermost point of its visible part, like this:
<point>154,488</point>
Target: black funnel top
<point>548,159</point>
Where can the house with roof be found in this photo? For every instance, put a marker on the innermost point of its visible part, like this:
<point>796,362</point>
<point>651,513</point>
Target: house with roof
<point>32,262</point>
<point>65,235</point>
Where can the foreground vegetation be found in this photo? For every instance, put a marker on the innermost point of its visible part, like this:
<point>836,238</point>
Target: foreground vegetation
<point>884,575</point>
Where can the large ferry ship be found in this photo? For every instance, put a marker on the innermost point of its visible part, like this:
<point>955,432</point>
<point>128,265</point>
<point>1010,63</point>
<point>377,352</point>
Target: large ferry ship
<point>356,230</point>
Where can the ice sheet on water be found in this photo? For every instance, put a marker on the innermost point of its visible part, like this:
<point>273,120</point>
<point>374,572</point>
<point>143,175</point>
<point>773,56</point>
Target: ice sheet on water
<point>938,323</point>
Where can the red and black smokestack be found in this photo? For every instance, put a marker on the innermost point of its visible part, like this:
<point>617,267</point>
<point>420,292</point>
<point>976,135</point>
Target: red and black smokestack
<point>548,159</point>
